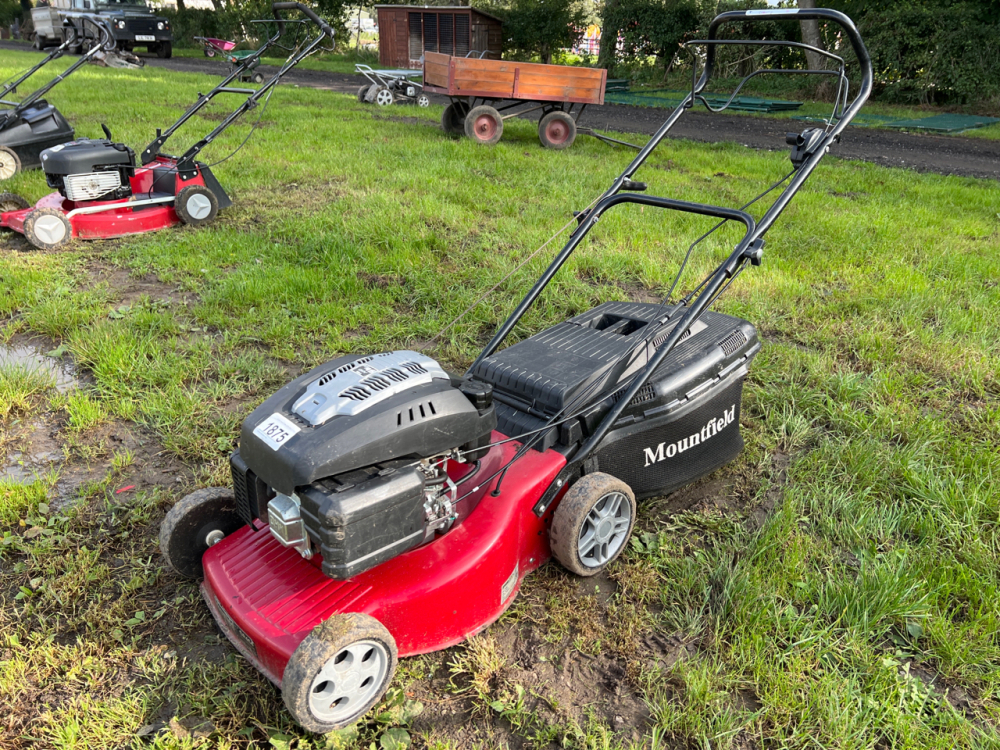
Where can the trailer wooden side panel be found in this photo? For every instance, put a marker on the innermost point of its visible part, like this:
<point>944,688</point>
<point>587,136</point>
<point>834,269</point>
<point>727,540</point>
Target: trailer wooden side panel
<point>506,79</point>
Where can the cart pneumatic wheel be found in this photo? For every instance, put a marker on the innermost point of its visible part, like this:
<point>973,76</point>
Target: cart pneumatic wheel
<point>557,130</point>
<point>453,117</point>
<point>197,522</point>
<point>383,98</point>
<point>338,672</point>
<point>10,163</point>
<point>484,125</point>
<point>592,523</point>
<point>196,205</point>
<point>47,228</point>
<point>12,202</point>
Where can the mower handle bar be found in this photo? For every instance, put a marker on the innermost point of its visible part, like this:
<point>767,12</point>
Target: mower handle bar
<point>304,10</point>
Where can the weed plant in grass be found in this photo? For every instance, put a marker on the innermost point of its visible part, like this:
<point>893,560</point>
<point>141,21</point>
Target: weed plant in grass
<point>836,586</point>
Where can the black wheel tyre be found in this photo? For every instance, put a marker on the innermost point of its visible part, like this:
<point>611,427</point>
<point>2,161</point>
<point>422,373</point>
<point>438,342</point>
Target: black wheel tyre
<point>338,672</point>
<point>196,205</point>
<point>557,130</point>
<point>10,163</point>
<point>592,523</point>
<point>210,53</point>
<point>484,125</point>
<point>164,50</point>
<point>12,202</point>
<point>453,117</point>
<point>47,228</point>
<point>258,78</point>
<point>194,524</point>
<point>361,93</point>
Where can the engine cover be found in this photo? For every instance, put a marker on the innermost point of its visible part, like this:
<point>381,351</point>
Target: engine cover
<point>68,167</point>
<point>356,411</point>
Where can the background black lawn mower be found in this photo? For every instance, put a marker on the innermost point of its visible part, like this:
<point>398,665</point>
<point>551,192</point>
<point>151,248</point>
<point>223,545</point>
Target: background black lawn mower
<point>33,125</point>
<point>382,507</point>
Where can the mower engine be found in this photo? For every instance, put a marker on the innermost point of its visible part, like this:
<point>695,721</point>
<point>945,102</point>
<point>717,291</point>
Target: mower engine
<point>89,169</point>
<point>351,460</point>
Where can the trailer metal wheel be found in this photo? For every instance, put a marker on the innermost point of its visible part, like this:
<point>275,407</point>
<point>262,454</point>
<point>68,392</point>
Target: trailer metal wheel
<point>339,671</point>
<point>384,97</point>
<point>557,130</point>
<point>592,523</point>
<point>453,117</point>
<point>194,524</point>
<point>12,202</point>
<point>47,228</point>
<point>423,101</point>
<point>10,163</point>
<point>196,205</point>
<point>484,125</point>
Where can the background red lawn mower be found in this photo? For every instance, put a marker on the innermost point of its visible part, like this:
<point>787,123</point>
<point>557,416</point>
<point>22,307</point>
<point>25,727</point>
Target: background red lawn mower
<point>381,507</point>
<point>101,193</point>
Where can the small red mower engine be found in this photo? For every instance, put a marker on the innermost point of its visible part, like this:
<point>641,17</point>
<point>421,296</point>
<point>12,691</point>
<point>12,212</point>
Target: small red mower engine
<point>90,169</point>
<point>365,478</point>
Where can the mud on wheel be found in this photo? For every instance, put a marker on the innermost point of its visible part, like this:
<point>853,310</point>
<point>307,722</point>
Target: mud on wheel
<point>12,202</point>
<point>338,672</point>
<point>592,523</point>
<point>194,524</point>
<point>47,228</point>
<point>196,205</point>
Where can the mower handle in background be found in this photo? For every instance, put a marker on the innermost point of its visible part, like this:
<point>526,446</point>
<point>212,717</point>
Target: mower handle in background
<point>304,10</point>
<point>795,14</point>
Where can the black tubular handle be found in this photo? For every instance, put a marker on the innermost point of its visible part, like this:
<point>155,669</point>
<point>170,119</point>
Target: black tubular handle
<point>307,12</point>
<point>791,14</point>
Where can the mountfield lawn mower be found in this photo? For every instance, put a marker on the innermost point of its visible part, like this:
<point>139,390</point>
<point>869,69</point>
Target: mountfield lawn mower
<point>102,193</point>
<point>382,507</point>
<point>33,125</point>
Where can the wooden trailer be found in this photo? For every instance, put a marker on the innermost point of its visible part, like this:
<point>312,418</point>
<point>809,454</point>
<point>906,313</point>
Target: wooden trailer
<point>503,87</point>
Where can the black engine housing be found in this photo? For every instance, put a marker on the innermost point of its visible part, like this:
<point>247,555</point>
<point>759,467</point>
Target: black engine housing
<point>85,156</point>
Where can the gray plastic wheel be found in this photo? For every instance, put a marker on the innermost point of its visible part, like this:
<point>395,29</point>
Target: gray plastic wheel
<point>196,205</point>
<point>47,228</point>
<point>383,98</point>
<point>592,523</point>
<point>423,101</point>
<point>10,163</point>
<point>338,672</point>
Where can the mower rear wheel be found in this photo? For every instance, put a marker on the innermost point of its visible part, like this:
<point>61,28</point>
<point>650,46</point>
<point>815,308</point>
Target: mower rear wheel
<point>196,205</point>
<point>12,202</point>
<point>361,93</point>
<point>384,97</point>
<point>557,130</point>
<point>10,163</point>
<point>453,117</point>
<point>592,523</point>
<point>194,524</point>
<point>47,228</point>
<point>339,671</point>
<point>484,125</point>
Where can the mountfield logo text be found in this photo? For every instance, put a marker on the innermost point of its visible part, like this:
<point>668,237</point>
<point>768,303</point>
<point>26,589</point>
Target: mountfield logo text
<point>668,450</point>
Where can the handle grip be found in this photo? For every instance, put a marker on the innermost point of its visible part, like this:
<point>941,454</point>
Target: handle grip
<point>307,12</point>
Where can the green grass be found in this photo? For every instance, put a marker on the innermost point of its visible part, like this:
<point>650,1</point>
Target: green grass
<point>863,612</point>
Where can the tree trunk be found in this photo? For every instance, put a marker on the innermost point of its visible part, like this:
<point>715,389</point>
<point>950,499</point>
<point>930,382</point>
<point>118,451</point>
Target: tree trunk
<point>810,35</point>
<point>607,55</point>
<point>180,6</point>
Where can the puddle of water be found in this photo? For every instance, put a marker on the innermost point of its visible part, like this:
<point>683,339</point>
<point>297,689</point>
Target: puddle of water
<point>63,373</point>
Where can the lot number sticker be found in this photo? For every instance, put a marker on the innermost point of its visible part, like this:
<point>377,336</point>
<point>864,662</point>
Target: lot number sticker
<point>275,431</point>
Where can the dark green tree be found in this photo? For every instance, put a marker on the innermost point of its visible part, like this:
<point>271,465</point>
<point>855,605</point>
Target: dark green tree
<point>647,28</point>
<point>539,27</point>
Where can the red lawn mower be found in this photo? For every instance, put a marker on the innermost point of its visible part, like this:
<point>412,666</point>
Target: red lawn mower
<point>382,507</point>
<point>101,193</point>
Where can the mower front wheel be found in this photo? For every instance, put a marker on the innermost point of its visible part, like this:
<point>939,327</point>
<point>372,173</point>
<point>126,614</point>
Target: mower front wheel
<point>196,205</point>
<point>484,125</point>
<point>384,97</point>
<point>12,202</point>
<point>10,163</point>
<point>47,228</point>
<point>423,101</point>
<point>592,523</point>
<point>197,522</point>
<point>339,671</point>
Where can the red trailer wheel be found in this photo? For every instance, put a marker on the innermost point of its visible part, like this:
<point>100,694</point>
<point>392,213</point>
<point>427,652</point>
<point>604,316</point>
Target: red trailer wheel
<point>484,125</point>
<point>557,130</point>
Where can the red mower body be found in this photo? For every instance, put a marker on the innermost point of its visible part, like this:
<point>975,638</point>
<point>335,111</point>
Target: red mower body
<point>267,598</point>
<point>150,207</point>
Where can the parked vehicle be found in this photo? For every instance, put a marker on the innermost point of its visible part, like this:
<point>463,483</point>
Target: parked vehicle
<point>132,22</point>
